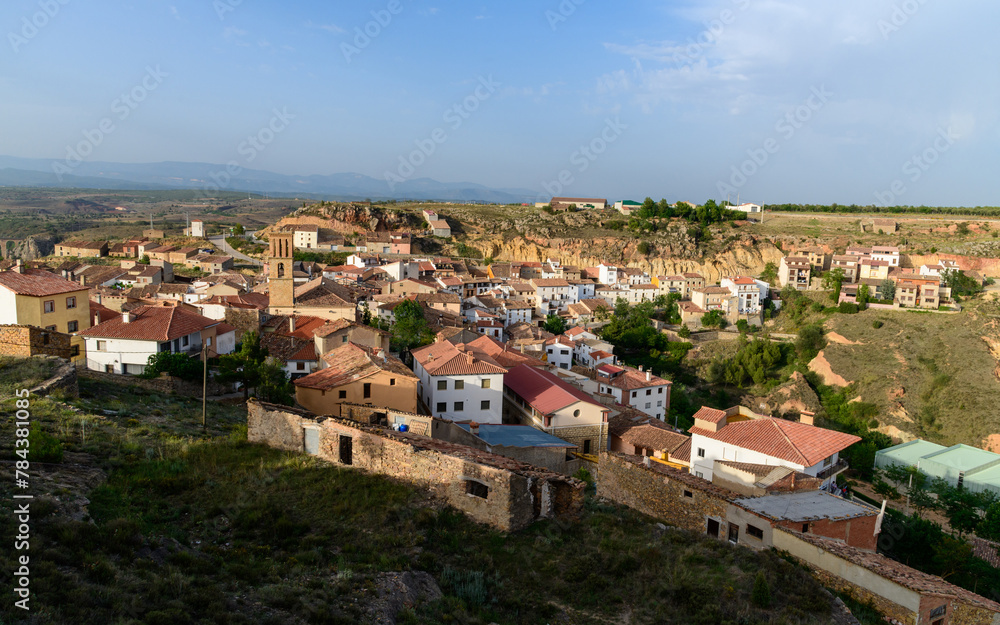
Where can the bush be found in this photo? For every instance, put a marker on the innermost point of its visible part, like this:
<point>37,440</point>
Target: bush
<point>849,308</point>
<point>877,324</point>
<point>43,447</point>
<point>644,247</point>
<point>761,594</point>
<point>684,332</point>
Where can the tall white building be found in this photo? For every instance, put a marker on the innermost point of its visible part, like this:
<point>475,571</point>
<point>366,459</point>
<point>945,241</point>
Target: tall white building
<point>459,384</point>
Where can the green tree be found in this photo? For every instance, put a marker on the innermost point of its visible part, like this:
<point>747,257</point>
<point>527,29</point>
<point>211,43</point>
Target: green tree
<point>714,319</point>
<point>770,273</point>
<point>555,324</point>
<point>684,332</point>
<point>179,365</point>
<point>989,527</point>
<point>810,341</point>
<point>274,385</point>
<point>887,290</point>
<point>239,230</point>
<point>832,281</point>
<point>644,248</point>
<point>244,365</point>
<point>760,596</point>
<point>864,296</point>
<point>410,329</point>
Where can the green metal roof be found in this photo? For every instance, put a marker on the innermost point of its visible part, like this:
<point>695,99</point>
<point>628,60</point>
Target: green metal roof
<point>907,454</point>
<point>960,458</point>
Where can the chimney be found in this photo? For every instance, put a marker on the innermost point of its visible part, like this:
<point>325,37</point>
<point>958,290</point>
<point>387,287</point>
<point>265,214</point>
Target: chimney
<point>291,323</point>
<point>807,417</point>
<point>469,358</point>
<point>380,354</point>
<point>649,376</point>
<point>18,266</point>
<point>126,317</point>
<point>97,319</point>
<point>474,428</point>
<point>83,280</point>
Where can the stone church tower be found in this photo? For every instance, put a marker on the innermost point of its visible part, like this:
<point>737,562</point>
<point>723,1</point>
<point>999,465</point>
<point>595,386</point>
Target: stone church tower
<point>281,285</point>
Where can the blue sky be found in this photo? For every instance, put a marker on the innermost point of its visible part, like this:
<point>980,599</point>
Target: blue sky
<point>890,101</point>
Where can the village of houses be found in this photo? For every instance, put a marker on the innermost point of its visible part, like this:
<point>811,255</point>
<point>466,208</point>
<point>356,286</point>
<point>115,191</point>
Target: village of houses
<point>497,414</point>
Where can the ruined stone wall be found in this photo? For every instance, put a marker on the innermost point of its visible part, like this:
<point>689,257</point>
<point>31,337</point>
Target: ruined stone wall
<point>28,341</point>
<point>887,608</point>
<point>663,492</point>
<point>243,320</point>
<point>162,384</point>
<point>515,494</point>
<point>64,378</point>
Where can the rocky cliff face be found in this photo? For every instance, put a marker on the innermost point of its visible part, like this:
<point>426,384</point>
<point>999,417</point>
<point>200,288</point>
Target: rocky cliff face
<point>744,257</point>
<point>31,248</point>
<point>349,218</point>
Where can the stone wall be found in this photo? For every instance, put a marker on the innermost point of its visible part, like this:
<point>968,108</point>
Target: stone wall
<point>64,378</point>
<point>164,384</point>
<point>491,489</point>
<point>28,341</point>
<point>889,609</point>
<point>663,492</point>
<point>244,320</point>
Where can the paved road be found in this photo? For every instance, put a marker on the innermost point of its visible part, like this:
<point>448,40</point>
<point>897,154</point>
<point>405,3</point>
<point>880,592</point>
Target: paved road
<point>220,242</point>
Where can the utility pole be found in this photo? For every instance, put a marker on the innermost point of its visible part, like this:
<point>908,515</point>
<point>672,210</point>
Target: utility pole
<point>204,384</point>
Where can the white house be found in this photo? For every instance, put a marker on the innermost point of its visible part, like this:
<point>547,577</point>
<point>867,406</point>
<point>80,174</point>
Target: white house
<point>580,290</point>
<point>559,352</point>
<point>636,388</point>
<point>551,296</point>
<point>124,344</point>
<point>740,435</point>
<point>459,385</point>
<point>746,207</point>
<point>746,291</point>
<point>887,253</point>
<point>607,274</point>
<point>516,312</point>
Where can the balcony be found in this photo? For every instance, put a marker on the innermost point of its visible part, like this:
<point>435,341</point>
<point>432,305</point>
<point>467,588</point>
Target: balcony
<point>834,469</point>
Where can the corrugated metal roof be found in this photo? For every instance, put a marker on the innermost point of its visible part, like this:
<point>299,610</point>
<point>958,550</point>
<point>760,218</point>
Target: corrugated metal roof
<point>516,436</point>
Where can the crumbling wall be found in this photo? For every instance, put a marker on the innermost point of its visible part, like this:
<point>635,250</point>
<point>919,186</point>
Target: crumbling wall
<point>497,491</point>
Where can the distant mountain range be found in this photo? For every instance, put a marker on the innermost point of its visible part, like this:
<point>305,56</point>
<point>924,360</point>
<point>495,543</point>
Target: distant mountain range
<point>36,172</point>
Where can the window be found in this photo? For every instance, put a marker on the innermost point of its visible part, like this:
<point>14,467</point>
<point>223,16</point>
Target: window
<point>49,305</point>
<point>442,406</point>
<point>74,351</point>
<point>648,405</point>
<point>576,413</point>
<point>102,346</point>
<point>477,489</point>
<point>486,383</point>
<point>368,390</point>
<point>649,392</point>
<point>71,302</point>
<point>756,532</point>
<point>484,405</point>
<point>346,449</point>
<point>828,461</point>
<point>660,390</point>
<point>699,474</point>
<point>701,452</point>
<point>586,446</point>
<point>442,385</point>
<point>392,381</point>
<point>109,368</point>
<point>459,385</point>
<point>659,403</point>
<point>459,406</point>
<point>635,394</point>
<point>805,528</point>
<point>184,341</point>
<point>689,494</point>
<point>343,339</point>
<point>342,394</point>
<point>300,366</point>
<point>281,270</point>
<point>45,338</point>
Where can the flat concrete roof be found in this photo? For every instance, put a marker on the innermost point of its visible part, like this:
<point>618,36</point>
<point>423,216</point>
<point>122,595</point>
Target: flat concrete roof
<point>910,453</point>
<point>516,436</point>
<point>806,506</point>
<point>962,457</point>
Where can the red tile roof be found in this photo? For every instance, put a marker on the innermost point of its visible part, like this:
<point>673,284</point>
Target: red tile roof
<point>152,323</point>
<point>633,379</point>
<point>710,414</point>
<point>350,363</point>
<point>37,283</point>
<point>788,440</point>
<point>542,390</point>
<point>445,358</point>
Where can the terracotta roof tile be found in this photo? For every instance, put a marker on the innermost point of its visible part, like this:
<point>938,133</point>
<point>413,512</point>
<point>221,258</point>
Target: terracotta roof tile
<point>37,283</point>
<point>152,323</point>
<point>445,358</point>
<point>350,363</point>
<point>543,391</point>
<point>794,442</point>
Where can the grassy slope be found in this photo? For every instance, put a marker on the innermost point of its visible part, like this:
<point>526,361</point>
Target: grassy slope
<point>210,529</point>
<point>940,363</point>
